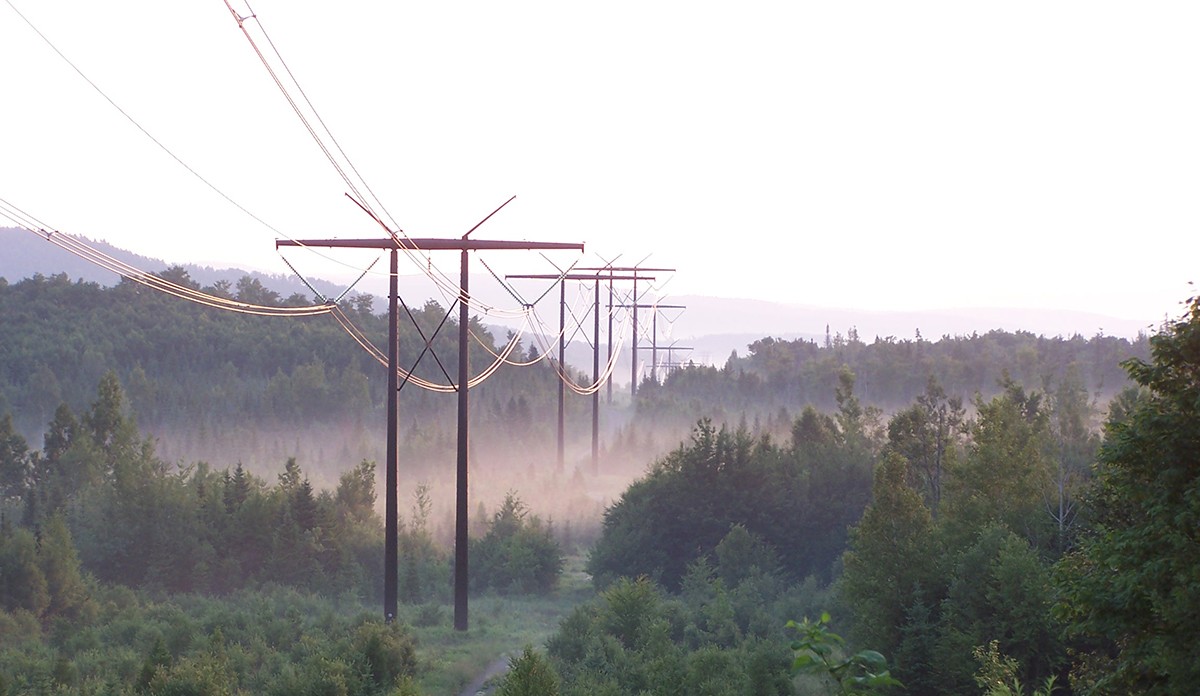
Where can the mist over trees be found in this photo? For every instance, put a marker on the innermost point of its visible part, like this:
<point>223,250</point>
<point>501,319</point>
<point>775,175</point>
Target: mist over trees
<point>1010,549</point>
<point>186,365</point>
<point>797,498</point>
<point>96,512</point>
<point>889,373</point>
<point>992,512</point>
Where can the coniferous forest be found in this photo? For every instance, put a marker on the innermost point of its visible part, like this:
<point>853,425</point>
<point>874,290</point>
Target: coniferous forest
<point>1000,513</point>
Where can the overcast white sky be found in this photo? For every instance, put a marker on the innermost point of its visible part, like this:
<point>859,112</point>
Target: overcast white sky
<point>886,155</point>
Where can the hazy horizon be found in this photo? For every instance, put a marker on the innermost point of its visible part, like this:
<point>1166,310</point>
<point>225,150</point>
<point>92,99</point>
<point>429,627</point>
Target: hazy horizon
<point>900,158</point>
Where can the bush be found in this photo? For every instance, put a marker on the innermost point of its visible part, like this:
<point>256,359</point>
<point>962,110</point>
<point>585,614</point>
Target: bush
<point>529,675</point>
<point>519,554</point>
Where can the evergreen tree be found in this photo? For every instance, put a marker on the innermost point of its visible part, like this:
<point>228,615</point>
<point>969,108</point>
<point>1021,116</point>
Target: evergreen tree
<point>15,463</point>
<point>22,582</point>
<point>891,565</point>
<point>60,566</point>
<point>1131,592</point>
<point>237,489</point>
<point>59,434</point>
<point>529,674</point>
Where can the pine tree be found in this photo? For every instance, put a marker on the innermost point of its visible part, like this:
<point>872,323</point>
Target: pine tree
<point>892,556</point>
<point>60,566</point>
<point>15,462</point>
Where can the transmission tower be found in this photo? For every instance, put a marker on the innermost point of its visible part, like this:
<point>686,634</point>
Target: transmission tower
<point>464,246</point>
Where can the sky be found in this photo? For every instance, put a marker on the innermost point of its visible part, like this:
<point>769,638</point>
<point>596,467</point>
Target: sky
<point>870,155</point>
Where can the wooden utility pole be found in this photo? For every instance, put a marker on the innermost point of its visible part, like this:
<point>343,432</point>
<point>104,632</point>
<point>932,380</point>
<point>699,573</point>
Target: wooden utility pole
<point>391,559</point>
<point>671,364</point>
<point>635,270</point>
<point>654,333</point>
<point>562,343</point>
<point>463,245</point>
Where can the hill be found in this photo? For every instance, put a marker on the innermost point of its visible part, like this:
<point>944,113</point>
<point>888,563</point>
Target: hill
<point>713,327</point>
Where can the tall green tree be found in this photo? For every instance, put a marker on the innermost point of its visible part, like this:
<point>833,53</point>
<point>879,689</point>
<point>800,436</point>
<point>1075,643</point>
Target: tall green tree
<point>1005,473</point>
<point>1073,446</point>
<point>891,565</point>
<point>999,590</point>
<point>22,582</point>
<point>16,467</point>
<point>927,434</point>
<point>1131,591</point>
<point>60,567</point>
<point>108,423</point>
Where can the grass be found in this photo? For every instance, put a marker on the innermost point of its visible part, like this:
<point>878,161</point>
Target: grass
<point>498,625</point>
<point>267,636</point>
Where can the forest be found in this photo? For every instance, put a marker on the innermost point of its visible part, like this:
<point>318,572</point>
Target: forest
<point>190,371</point>
<point>1000,513</point>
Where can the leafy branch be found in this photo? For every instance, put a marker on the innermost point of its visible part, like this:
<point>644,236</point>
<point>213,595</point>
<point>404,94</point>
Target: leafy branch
<point>864,672</point>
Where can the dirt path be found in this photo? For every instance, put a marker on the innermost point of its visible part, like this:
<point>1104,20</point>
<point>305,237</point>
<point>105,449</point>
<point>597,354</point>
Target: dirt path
<point>498,667</point>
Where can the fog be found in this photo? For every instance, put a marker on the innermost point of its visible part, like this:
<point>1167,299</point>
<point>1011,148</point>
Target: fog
<point>572,497</point>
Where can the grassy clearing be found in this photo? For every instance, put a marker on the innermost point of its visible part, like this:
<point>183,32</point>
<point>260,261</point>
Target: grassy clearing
<point>450,659</point>
<point>274,640</point>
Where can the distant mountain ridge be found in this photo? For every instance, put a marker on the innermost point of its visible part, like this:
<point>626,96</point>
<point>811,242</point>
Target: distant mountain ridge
<point>25,254</point>
<point>712,326</point>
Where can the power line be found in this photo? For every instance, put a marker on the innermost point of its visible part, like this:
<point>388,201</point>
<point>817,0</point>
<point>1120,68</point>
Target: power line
<point>91,254</point>
<point>137,125</point>
<point>438,277</point>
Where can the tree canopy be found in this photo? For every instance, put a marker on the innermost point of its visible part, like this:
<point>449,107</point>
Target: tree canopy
<point>1132,587</point>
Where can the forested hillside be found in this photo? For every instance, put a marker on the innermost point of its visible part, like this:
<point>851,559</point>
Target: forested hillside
<point>1015,549</point>
<point>945,501</point>
<point>192,371</point>
<point>112,560</point>
<point>889,373</point>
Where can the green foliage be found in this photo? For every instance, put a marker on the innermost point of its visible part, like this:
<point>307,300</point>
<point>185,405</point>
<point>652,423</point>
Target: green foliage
<point>424,570</point>
<point>15,463</point>
<point>103,503</point>
<point>1130,592</point>
<point>529,674</point>
<point>518,554</point>
<point>795,501</point>
<point>202,370</point>
<point>1074,444</point>
<point>275,642</point>
<point>709,640</point>
<point>889,372</point>
<point>817,652</point>
<point>999,589</point>
<point>1006,475</point>
<point>22,582</point>
<point>387,650</point>
<point>742,554</point>
<point>61,568</point>
<point>892,562</point>
<point>928,590</point>
<point>998,674</point>
<point>926,434</point>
